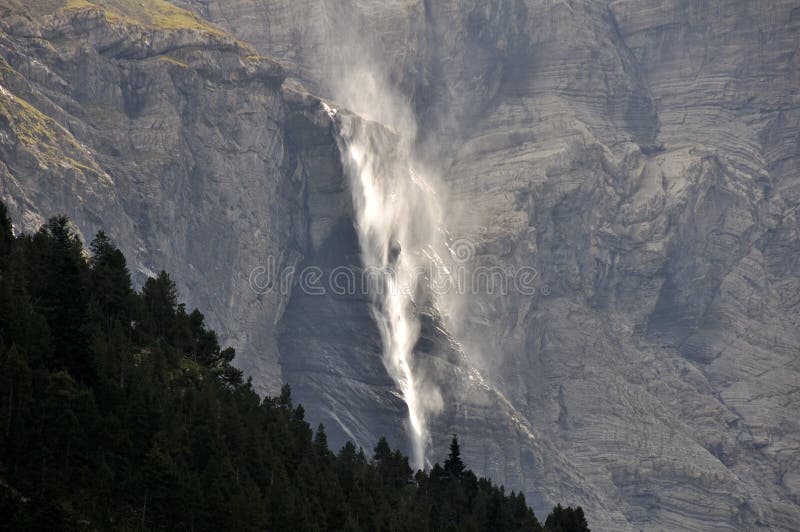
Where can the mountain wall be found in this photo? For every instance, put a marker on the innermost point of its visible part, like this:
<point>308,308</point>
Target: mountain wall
<point>640,155</point>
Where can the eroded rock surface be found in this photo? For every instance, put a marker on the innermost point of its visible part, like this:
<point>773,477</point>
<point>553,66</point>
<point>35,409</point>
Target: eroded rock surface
<point>641,155</point>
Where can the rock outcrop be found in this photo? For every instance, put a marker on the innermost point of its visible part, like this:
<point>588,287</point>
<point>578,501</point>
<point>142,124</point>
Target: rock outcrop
<point>640,155</point>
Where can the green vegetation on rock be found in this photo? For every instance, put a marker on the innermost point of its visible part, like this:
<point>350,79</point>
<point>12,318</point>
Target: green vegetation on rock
<point>41,136</point>
<point>149,14</point>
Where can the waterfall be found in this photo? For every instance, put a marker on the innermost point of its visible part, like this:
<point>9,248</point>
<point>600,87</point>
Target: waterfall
<point>399,222</point>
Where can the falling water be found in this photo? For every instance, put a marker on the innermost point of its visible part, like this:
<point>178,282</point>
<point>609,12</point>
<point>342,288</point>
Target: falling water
<point>399,226</point>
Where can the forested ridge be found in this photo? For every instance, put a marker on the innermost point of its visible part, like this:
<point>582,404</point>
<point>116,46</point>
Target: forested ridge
<point>119,410</point>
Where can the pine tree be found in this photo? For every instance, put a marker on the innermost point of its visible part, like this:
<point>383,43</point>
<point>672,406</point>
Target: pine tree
<point>6,234</point>
<point>62,296</point>
<point>382,451</point>
<point>285,398</point>
<point>111,282</point>
<point>566,520</point>
<point>16,402</point>
<point>454,466</point>
<point>160,300</point>
<point>321,442</point>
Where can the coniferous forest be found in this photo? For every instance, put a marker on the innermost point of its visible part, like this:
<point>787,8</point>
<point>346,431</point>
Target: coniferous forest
<point>119,410</point>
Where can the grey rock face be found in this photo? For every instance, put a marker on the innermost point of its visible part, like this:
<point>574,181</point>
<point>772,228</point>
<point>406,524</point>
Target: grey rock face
<point>641,155</point>
<point>173,141</point>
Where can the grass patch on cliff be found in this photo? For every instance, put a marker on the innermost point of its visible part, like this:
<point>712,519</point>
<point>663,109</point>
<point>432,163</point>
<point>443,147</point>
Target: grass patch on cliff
<point>30,125</point>
<point>40,134</point>
<point>156,14</point>
<point>45,140</point>
<point>172,60</point>
<point>148,14</point>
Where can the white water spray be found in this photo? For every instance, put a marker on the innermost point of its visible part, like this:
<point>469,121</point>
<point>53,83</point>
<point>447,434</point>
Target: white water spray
<point>399,226</point>
<point>399,213</point>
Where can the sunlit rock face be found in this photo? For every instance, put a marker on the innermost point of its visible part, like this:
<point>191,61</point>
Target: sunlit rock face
<point>641,156</point>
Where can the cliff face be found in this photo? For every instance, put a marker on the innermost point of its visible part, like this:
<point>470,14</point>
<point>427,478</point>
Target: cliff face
<point>174,137</point>
<point>641,155</point>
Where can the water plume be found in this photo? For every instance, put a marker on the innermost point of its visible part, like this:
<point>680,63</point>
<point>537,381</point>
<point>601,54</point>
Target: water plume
<point>397,220</point>
<point>399,215</point>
